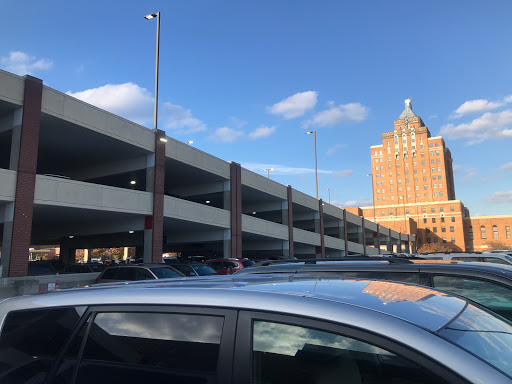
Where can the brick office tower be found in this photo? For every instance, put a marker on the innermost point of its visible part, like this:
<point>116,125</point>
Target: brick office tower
<point>413,189</point>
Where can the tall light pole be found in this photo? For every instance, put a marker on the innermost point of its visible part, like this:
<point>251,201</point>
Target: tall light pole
<point>329,190</point>
<point>373,197</point>
<point>149,17</point>
<point>268,171</point>
<point>316,171</point>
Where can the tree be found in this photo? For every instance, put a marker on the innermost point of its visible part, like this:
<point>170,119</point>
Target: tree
<point>435,247</point>
<point>497,245</point>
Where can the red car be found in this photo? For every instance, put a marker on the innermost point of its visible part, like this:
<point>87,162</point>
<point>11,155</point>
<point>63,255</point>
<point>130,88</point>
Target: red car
<point>225,266</point>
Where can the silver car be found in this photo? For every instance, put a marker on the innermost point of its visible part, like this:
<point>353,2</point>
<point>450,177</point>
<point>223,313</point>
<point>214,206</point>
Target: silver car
<point>252,329</point>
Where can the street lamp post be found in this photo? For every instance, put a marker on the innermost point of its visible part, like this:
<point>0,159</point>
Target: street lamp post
<point>373,197</point>
<point>329,190</point>
<point>149,17</point>
<point>268,171</point>
<point>316,171</point>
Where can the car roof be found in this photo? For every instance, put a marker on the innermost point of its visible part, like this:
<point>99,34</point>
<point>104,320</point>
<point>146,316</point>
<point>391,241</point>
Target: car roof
<point>445,266</point>
<point>418,305</point>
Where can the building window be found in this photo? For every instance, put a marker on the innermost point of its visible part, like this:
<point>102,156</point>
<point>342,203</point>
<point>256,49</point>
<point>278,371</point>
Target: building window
<point>424,170</point>
<point>435,194</point>
<point>383,213</point>
<point>392,197</point>
<point>438,169</point>
<point>453,219</point>
<point>415,171</point>
<point>378,198</point>
<point>432,161</point>
<point>433,169</point>
<point>440,185</point>
<point>495,235</point>
<point>442,219</point>
<point>406,211</point>
<point>435,185</point>
<point>378,190</point>
<point>424,186</point>
<point>431,153</point>
<point>415,163</point>
<point>381,167</point>
<point>376,160</point>
<point>507,231</point>
<point>438,177</point>
<point>440,193</point>
<point>417,195</point>
<point>423,162</point>
<point>421,147</point>
<point>441,209</point>
<point>437,144</point>
<point>453,239</point>
<point>483,233</point>
<point>424,210</point>
<point>435,239</point>
<point>390,174</point>
<point>428,240</point>
<point>430,145</point>
<point>432,210</point>
<point>380,159</point>
<point>452,229</point>
<point>416,179</point>
<point>391,189</point>
<point>426,194</point>
<point>470,232</point>
<point>443,229</point>
<point>435,229</point>
<point>427,229</point>
<point>438,161</point>
<point>433,219</point>
<point>444,239</point>
<point>390,213</point>
<point>422,153</point>
<point>424,221</point>
<point>437,153</point>
<point>398,173</point>
<point>452,209</point>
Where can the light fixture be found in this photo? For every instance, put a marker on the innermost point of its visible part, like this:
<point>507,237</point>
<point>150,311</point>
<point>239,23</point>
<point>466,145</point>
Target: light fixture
<point>71,236</point>
<point>207,201</point>
<point>189,142</point>
<point>133,182</point>
<point>254,213</point>
<point>130,231</point>
<point>163,139</point>
<point>151,16</point>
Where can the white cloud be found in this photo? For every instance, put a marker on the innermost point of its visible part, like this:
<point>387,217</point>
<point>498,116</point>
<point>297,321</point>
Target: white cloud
<point>295,105</point>
<point>136,104</point>
<point>476,106</point>
<point>282,169</point>
<point>22,64</point>
<point>507,99</point>
<point>339,113</point>
<point>334,149</point>
<point>501,197</point>
<point>344,173</point>
<point>465,174</point>
<point>356,203</point>
<point>488,126</point>
<point>226,135</point>
<point>262,132</point>
<point>506,166</point>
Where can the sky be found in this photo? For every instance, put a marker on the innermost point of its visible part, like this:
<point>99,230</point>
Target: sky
<point>246,80</point>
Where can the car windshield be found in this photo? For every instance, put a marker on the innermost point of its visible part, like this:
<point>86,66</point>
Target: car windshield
<point>203,270</point>
<point>166,272</point>
<point>483,334</point>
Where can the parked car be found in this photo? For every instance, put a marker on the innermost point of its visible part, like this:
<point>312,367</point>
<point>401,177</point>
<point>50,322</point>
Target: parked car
<point>84,268</point>
<point>252,329</point>
<point>41,268</point>
<point>499,258</point>
<point>194,269</point>
<point>487,284</point>
<point>225,266</point>
<point>132,272</point>
<point>505,251</point>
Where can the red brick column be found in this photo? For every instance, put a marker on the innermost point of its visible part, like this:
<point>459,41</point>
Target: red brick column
<point>322,239</point>
<point>158,199</point>
<point>289,196</point>
<point>26,178</point>
<point>236,209</point>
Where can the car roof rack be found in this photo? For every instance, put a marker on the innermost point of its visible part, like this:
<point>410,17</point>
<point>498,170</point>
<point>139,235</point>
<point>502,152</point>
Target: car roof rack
<point>391,260</point>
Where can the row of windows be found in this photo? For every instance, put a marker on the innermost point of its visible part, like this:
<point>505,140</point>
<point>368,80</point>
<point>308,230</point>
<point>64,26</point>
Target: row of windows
<point>495,233</point>
<point>416,180</point>
<point>429,240</point>
<point>442,220</point>
<point>409,196</point>
<point>406,172</point>
<point>443,229</point>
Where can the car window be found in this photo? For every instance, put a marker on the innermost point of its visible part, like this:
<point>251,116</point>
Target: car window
<point>73,269</point>
<point>97,267</point>
<point>31,340</point>
<point>406,277</point>
<point>126,273</point>
<point>187,270</point>
<point>110,274</point>
<point>216,265</point>
<point>284,353</point>
<point>165,273</point>
<point>496,260</point>
<point>204,270</point>
<point>143,274</point>
<point>465,258</point>
<point>484,335</point>
<point>496,297</point>
<point>151,348</point>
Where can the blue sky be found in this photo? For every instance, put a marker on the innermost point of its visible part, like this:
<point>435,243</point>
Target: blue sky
<point>246,80</point>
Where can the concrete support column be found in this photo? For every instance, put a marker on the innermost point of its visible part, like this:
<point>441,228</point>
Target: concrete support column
<point>289,202</point>
<point>18,236</point>
<point>321,227</point>
<point>86,255</point>
<point>390,243</point>
<point>227,195</point>
<point>363,230</point>
<point>16,139</point>
<point>378,238</point>
<point>345,235</point>
<point>236,210</point>
<point>125,253</point>
<point>150,172</point>
<point>154,225</point>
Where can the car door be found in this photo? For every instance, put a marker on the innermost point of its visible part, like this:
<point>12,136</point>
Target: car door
<point>274,348</point>
<point>149,344</point>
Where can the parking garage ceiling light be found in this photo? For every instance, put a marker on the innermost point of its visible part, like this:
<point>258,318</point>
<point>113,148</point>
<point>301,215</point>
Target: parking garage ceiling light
<point>130,231</point>
<point>133,182</point>
<point>71,236</point>
<point>254,213</point>
<point>207,201</point>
